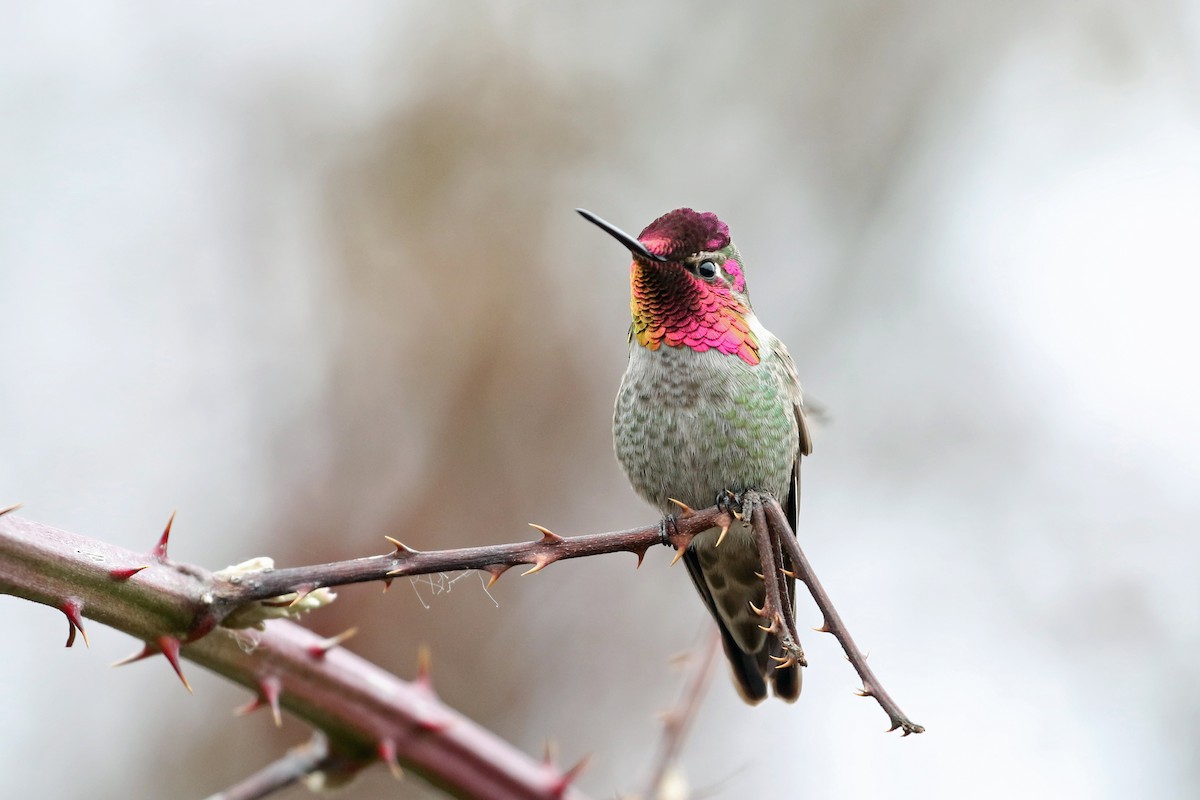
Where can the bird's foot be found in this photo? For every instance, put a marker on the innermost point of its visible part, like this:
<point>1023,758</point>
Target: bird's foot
<point>667,529</point>
<point>741,504</point>
<point>732,503</point>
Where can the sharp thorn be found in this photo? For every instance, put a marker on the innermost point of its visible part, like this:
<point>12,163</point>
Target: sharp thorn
<point>387,754</point>
<point>495,570</point>
<point>73,608</point>
<point>641,556</point>
<point>301,593</point>
<point>564,781</point>
<point>721,537</point>
<point>864,693</point>
<point>548,536</point>
<point>169,646</point>
<point>10,509</point>
<point>823,629</point>
<point>146,651</point>
<point>125,573</point>
<point>787,572</point>
<point>387,584</point>
<point>160,549</point>
<point>401,547</point>
<point>249,707</point>
<point>322,647</point>
<point>540,565</point>
<point>760,576</point>
<point>270,687</point>
<point>678,555</point>
<point>429,725</point>
<point>684,508</point>
<point>756,609</point>
<point>424,667</point>
<point>268,695</point>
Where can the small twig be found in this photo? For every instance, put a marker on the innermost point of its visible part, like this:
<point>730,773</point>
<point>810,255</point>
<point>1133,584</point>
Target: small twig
<point>296,765</point>
<point>782,532</point>
<point>678,721</point>
<point>493,559</point>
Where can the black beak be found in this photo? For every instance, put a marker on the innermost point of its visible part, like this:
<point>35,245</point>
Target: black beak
<point>633,245</point>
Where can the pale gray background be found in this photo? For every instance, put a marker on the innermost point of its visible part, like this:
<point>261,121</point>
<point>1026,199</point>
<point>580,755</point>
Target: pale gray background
<point>309,273</point>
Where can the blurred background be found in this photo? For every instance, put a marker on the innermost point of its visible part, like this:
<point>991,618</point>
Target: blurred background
<point>310,274</point>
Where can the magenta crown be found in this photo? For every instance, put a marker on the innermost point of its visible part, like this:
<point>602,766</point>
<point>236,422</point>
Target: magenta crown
<point>684,232</point>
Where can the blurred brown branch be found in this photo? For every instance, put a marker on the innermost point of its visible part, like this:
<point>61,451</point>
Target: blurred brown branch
<point>678,721</point>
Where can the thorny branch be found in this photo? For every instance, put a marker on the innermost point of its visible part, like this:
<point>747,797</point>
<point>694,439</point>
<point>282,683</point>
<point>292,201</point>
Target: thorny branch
<point>367,713</point>
<point>771,529</point>
<point>493,559</point>
<point>182,611</point>
<point>782,533</point>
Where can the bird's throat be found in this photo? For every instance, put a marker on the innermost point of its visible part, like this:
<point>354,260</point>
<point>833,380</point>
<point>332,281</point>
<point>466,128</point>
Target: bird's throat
<point>673,307</point>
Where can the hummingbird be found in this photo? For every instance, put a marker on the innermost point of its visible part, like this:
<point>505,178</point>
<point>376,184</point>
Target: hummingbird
<point>710,408</point>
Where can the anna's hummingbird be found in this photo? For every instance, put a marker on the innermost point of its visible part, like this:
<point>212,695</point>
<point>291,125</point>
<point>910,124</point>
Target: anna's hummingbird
<point>710,406</point>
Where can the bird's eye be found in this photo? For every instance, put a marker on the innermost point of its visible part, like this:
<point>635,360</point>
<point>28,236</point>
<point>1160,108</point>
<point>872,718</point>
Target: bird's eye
<point>706,270</point>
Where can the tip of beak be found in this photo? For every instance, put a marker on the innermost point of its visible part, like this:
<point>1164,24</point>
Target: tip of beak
<point>631,243</point>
